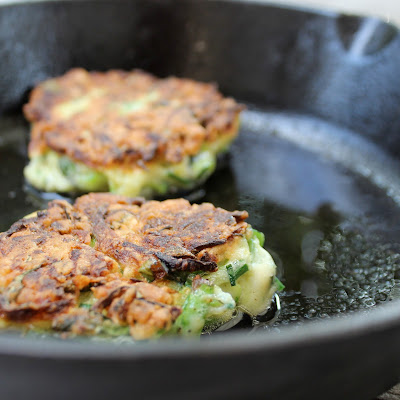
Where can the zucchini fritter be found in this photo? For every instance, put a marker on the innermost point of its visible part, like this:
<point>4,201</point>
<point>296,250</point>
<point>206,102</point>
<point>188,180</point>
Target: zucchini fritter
<point>127,132</point>
<point>110,265</point>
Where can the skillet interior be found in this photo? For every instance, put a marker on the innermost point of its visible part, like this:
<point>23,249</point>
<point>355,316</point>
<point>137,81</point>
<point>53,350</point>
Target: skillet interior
<point>320,190</point>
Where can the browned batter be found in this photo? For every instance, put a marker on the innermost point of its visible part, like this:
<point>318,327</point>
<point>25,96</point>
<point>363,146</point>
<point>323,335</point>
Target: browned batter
<point>126,118</point>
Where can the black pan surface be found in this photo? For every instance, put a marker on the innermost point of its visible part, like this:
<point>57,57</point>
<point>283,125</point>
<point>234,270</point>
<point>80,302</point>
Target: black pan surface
<point>315,165</point>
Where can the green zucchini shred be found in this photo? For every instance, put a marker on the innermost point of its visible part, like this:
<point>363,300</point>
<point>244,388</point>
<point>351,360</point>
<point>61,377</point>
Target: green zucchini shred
<point>146,273</point>
<point>81,176</point>
<point>203,164</point>
<point>260,236</point>
<point>279,285</point>
<point>203,305</point>
<point>109,328</point>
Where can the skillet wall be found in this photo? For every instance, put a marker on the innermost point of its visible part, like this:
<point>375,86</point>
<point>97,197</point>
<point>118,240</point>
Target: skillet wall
<point>342,68</point>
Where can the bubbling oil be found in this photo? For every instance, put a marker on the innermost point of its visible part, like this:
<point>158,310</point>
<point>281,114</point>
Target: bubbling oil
<point>332,229</point>
<point>357,271</point>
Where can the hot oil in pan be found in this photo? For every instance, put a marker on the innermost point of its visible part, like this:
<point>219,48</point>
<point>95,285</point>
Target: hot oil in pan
<point>330,216</point>
<point>332,231</point>
<point>13,199</point>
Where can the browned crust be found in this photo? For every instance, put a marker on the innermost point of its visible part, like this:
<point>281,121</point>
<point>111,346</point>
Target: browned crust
<point>179,118</point>
<point>43,271</point>
<point>142,306</point>
<point>168,235</point>
<point>99,244</point>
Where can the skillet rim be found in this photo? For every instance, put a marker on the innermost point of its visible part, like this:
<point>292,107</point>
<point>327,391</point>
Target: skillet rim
<point>340,327</point>
<point>334,329</point>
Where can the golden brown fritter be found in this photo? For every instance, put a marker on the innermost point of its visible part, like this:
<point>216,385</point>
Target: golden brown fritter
<point>124,118</point>
<point>101,244</point>
<point>167,236</point>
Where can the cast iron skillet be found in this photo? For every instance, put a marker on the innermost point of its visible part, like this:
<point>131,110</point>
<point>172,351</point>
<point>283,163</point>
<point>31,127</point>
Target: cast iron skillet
<point>326,197</point>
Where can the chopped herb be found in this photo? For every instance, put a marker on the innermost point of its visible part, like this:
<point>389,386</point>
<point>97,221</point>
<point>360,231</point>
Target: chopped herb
<point>279,285</point>
<point>92,241</point>
<point>179,179</point>
<point>243,269</point>
<point>234,275</point>
<point>231,274</point>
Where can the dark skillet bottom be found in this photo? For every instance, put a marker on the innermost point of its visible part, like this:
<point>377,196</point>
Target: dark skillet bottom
<point>327,202</point>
